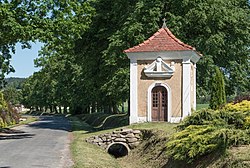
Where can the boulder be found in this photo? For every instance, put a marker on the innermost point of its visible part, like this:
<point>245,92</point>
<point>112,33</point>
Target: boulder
<point>131,140</point>
<point>120,140</point>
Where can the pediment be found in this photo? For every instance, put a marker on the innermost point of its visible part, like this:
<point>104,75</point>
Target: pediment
<point>159,69</point>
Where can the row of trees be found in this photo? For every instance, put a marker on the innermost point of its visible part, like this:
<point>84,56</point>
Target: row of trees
<point>82,61</point>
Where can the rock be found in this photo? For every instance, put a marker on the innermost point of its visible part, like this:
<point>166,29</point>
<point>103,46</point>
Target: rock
<point>104,139</point>
<point>130,135</point>
<point>107,143</point>
<point>133,145</point>
<point>126,130</point>
<point>118,136</point>
<point>122,136</point>
<point>137,136</point>
<point>136,131</point>
<point>101,144</point>
<point>116,132</point>
<point>96,140</point>
<point>120,140</point>
<point>131,140</point>
<point>108,140</point>
<point>113,137</point>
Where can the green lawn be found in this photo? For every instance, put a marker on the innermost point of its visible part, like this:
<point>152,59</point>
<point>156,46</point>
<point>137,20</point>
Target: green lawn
<point>29,119</point>
<point>201,106</point>
<point>86,155</point>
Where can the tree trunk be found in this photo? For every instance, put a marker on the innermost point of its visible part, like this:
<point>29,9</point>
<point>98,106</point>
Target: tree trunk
<point>123,111</point>
<point>65,111</point>
<point>51,108</point>
<point>106,109</point>
<point>60,109</point>
<point>93,109</point>
<point>55,108</point>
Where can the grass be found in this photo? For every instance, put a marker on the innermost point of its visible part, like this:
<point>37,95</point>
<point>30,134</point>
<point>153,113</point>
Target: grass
<point>100,121</point>
<point>241,153</point>
<point>201,106</point>
<point>160,126</point>
<point>87,155</point>
<point>150,153</point>
<point>29,119</point>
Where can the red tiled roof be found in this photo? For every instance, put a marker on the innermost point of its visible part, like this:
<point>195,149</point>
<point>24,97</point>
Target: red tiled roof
<point>162,40</point>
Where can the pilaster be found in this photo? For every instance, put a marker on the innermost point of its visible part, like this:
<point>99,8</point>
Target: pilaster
<point>133,118</point>
<point>186,82</point>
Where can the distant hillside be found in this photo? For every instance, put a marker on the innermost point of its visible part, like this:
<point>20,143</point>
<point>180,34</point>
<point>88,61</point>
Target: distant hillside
<point>14,82</point>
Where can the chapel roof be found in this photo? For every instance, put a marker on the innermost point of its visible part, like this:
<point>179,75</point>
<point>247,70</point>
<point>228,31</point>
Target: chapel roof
<point>162,40</point>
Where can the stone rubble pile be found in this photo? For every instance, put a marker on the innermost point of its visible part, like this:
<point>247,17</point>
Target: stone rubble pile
<point>128,136</point>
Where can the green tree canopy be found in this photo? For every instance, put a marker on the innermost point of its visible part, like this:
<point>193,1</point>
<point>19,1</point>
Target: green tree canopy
<point>84,43</point>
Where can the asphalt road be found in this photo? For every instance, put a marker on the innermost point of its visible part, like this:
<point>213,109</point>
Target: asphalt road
<point>44,143</point>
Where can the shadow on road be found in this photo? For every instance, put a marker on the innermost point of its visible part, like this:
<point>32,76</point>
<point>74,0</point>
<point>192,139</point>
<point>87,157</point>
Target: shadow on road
<point>11,131</point>
<point>8,133</point>
<point>45,122</point>
<point>52,122</point>
<point>15,136</point>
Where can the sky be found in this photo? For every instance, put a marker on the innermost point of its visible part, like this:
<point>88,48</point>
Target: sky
<point>23,61</point>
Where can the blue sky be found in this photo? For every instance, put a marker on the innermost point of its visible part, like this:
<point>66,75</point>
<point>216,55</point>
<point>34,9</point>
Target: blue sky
<point>23,61</point>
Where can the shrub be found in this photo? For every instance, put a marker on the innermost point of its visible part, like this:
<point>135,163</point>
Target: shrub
<point>198,140</point>
<point>194,141</point>
<point>207,131</point>
<point>211,117</point>
<point>247,122</point>
<point>243,106</point>
<point>218,95</point>
<point>241,97</point>
<point>8,115</point>
<point>202,117</point>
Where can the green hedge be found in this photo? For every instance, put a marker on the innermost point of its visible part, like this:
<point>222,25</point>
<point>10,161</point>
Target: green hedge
<point>206,131</point>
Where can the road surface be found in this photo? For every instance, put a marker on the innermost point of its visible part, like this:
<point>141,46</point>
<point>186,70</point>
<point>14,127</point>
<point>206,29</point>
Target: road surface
<point>43,144</point>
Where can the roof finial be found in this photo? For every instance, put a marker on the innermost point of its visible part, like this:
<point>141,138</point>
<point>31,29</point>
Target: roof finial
<point>164,23</point>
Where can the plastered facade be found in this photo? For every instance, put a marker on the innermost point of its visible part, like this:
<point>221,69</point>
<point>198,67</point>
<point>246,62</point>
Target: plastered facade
<point>174,83</point>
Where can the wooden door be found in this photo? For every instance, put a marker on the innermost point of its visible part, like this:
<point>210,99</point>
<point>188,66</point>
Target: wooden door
<point>159,104</point>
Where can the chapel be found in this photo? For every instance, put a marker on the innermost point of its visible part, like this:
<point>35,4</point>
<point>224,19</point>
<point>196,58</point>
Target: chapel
<point>162,78</point>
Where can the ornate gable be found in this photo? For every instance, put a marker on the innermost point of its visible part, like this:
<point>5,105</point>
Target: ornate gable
<point>159,69</point>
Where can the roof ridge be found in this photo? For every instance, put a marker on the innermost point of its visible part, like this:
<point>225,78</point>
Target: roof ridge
<point>177,40</point>
<point>158,42</point>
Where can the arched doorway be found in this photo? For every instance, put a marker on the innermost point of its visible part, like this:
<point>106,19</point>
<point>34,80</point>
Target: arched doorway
<point>159,97</point>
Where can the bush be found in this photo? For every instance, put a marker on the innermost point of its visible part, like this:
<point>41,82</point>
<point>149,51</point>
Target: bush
<point>194,141</point>
<point>243,106</point>
<point>241,97</point>
<point>218,95</point>
<point>211,117</point>
<point>8,114</point>
<point>247,122</point>
<point>207,131</point>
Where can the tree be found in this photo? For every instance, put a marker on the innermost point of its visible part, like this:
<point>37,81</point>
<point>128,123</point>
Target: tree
<point>12,95</point>
<point>51,22</point>
<point>218,96</point>
<point>83,55</point>
<point>220,30</point>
